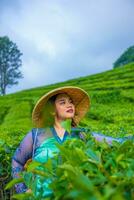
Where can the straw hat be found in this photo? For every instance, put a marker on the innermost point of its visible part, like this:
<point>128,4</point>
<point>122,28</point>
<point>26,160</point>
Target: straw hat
<point>79,96</point>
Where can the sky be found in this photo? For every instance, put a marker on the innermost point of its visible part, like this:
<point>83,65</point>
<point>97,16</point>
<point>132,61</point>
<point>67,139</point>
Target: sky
<point>65,39</point>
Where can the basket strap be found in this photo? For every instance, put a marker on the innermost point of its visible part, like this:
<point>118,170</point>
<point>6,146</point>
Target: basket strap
<point>34,142</point>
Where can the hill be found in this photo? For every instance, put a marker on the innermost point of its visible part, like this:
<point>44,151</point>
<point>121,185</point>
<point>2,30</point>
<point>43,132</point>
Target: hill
<point>111,112</point>
<point>125,58</point>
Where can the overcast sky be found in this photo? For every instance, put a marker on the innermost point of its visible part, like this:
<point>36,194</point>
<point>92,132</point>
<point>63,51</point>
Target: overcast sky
<point>65,39</point>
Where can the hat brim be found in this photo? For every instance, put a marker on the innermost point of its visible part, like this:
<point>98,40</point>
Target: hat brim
<point>79,96</point>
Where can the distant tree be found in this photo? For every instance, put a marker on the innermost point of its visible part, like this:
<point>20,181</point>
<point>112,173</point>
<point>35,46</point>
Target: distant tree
<point>125,58</point>
<point>10,62</point>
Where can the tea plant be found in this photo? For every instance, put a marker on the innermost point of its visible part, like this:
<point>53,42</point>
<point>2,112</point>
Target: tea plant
<point>86,170</point>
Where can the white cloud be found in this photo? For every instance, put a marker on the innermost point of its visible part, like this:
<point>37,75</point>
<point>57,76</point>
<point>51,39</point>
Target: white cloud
<point>65,39</point>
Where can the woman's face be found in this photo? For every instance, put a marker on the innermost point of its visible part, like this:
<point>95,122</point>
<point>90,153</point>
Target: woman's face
<point>64,107</point>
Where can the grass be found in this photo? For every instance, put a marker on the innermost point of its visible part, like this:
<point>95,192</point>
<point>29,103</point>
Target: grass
<point>111,112</point>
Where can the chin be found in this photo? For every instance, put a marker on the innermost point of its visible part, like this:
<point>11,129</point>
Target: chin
<point>69,117</point>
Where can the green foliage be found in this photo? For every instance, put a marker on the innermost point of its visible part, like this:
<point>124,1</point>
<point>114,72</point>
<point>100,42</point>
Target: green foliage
<point>88,170</point>
<point>6,152</point>
<point>111,113</point>
<point>5,158</point>
<point>125,58</point>
<point>67,125</point>
<point>10,63</point>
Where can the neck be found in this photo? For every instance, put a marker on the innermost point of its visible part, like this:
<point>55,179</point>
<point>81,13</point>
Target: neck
<point>59,129</point>
<point>57,124</point>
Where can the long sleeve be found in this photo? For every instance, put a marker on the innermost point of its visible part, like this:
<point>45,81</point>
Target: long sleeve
<point>109,139</point>
<point>20,157</point>
<point>101,137</point>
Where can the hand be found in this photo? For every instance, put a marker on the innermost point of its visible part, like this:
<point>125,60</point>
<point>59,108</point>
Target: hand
<point>29,191</point>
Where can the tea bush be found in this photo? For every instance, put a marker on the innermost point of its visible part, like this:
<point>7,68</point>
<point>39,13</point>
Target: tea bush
<point>111,113</point>
<point>86,170</point>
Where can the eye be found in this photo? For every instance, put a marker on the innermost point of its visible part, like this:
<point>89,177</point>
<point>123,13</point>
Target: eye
<point>71,101</point>
<point>62,102</point>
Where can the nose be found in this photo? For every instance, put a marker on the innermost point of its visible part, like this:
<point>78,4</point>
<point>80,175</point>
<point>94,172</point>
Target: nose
<point>69,104</point>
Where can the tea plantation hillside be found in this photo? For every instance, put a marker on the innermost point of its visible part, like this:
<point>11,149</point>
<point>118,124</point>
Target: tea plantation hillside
<point>89,169</point>
<point>111,112</point>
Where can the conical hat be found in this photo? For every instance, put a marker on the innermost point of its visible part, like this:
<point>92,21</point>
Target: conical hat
<point>80,99</point>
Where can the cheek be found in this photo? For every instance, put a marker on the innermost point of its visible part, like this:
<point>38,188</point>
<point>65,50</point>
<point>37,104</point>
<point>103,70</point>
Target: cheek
<point>59,110</point>
<point>73,108</point>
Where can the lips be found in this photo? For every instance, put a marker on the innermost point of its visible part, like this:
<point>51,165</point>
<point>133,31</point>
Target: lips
<point>70,111</point>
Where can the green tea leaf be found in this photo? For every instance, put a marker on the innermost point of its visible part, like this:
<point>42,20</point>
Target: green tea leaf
<point>13,182</point>
<point>67,125</point>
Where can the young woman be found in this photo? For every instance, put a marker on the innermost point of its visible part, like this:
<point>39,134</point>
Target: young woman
<point>40,143</point>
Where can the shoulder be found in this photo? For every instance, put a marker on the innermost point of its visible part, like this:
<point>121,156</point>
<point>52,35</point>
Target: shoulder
<point>39,131</point>
<point>80,132</point>
<point>39,134</point>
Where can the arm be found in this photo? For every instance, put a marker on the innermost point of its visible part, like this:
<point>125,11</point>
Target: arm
<point>109,139</point>
<point>101,137</point>
<point>20,157</point>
